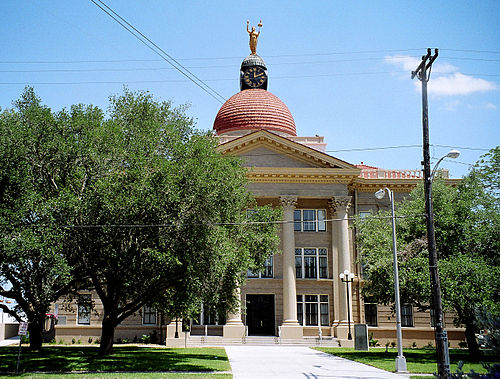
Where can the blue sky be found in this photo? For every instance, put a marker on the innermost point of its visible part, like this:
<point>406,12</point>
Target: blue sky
<point>342,68</point>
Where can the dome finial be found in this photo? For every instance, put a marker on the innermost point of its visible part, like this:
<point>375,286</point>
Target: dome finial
<point>253,36</point>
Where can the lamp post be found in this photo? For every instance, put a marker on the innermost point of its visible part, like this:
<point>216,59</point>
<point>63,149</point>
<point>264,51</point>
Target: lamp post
<point>400,359</point>
<point>347,277</point>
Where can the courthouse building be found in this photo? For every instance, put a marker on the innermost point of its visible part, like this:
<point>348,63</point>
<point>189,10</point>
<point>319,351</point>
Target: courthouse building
<point>298,294</point>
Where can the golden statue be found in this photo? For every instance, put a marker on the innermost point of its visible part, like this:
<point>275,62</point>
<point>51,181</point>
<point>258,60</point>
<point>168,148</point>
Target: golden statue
<point>253,37</point>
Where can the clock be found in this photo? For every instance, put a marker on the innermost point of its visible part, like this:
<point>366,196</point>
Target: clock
<point>255,77</point>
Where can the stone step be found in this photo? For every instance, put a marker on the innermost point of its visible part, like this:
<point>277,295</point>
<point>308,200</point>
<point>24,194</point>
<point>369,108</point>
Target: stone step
<point>255,341</point>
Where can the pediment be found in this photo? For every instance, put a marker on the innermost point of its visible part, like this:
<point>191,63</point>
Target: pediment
<point>265,149</point>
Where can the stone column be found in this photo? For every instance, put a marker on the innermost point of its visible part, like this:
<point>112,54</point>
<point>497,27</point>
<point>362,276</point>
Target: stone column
<point>335,227</point>
<point>290,327</point>
<point>342,204</point>
<point>234,327</point>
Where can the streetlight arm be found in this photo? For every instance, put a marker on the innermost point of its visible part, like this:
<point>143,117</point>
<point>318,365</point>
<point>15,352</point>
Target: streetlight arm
<point>433,172</point>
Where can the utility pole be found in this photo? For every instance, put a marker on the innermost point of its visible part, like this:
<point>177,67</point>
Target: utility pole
<point>443,359</point>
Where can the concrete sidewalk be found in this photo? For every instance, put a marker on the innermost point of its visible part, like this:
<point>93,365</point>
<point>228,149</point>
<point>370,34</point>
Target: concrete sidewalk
<point>10,341</point>
<point>297,362</point>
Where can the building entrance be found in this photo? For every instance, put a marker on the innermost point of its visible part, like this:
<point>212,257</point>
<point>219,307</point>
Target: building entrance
<point>260,315</point>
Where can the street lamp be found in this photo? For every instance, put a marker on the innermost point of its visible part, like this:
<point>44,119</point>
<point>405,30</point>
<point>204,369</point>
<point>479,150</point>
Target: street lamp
<point>347,277</point>
<point>400,359</point>
<point>454,154</point>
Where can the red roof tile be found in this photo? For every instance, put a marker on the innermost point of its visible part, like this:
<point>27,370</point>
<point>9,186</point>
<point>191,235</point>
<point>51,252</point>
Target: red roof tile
<point>254,109</point>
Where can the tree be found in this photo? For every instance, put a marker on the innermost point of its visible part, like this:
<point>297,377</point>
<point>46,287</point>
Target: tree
<point>138,206</point>
<point>467,224</point>
<point>37,162</point>
<point>162,219</point>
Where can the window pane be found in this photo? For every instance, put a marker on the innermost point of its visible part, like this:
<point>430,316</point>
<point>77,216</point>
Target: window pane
<point>321,220</point>
<point>300,315</point>
<point>311,298</point>
<point>148,315</point>
<point>371,314</point>
<point>322,252</point>
<point>251,274</point>
<point>311,313</point>
<point>309,251</point>
<point>268,268</point>
<point>310,267</point>
<point>323,267</point>
<point>298,267</point>
<point>309,219</point>
<point>323,298</point>
<point>84,308</point>
<point>297,221</point>
<point>406,315</point>
<point>324,313</point>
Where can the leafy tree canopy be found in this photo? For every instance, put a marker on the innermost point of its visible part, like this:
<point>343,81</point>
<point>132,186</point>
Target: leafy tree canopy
<point>143,206</point>
<point>467,224</point>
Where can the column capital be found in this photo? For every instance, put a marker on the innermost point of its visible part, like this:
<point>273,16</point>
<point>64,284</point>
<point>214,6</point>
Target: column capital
<point>288,201</point>
<point>340,203</point>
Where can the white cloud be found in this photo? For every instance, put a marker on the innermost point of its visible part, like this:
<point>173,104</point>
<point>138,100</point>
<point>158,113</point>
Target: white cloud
<point>411,63</point>
<point>458,84</point>
<point>491,106</point>
<point>446,79</point>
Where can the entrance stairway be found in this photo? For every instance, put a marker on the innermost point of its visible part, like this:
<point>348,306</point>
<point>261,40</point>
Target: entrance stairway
<point>194,341</point>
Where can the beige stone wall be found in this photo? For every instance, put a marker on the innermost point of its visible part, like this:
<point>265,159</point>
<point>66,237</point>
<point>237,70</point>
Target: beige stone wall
<point>68,328</point>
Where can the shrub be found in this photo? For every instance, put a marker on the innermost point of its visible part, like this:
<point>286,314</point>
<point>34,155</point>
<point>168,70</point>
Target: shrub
<point>25,339</point>
<point>393,343</point>
<point>73,341</point>
<point>125,340</point>
<point>413,344</point>
<point>372,342</point>
<point>145,338</point>
<point>90,339</point>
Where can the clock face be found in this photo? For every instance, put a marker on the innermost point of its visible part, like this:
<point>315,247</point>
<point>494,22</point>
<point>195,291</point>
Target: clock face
<point>254,76</point>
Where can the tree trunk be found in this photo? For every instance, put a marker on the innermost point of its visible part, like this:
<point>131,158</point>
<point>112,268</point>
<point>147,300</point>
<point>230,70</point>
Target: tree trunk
<point>470,336</point>
<point>107,336</point>
<point>35,329</point>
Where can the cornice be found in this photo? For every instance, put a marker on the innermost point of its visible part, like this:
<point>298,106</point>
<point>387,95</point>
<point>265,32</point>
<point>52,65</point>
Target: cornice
<point>397,185</point>
<point>301,175</point>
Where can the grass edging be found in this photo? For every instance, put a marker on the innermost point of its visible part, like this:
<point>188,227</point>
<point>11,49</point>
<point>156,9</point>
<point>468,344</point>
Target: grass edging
<point>418,361</point>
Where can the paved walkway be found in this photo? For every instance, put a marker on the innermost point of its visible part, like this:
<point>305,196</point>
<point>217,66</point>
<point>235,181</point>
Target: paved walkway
<point>297,362</point>
<point>10,341</point>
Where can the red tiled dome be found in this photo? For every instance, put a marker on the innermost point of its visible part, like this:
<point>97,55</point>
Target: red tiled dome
<point>254,109</point>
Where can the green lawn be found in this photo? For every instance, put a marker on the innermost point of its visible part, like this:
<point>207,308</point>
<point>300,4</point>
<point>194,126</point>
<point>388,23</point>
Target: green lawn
<point>417,360</point>
<point>130,359</point>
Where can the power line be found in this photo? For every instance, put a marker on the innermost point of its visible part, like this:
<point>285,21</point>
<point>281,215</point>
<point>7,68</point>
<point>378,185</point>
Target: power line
<point>142,226</point>
<point>158,50</point>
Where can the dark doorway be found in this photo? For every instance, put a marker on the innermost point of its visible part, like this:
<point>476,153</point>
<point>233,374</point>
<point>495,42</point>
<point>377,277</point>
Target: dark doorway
<point>260,315</point>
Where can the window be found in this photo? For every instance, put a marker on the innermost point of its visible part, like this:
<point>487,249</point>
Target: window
<point>311,263</point>
<point>84,307</point>
<point>267,272</point>
<point>371,314</point>
<point>148,315</point>
<point>309,220</point>
<point>406,315</point>
<point>365,214</point>
<point>433,318</point>
<point>209,317</point>
<point>313,310</point>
